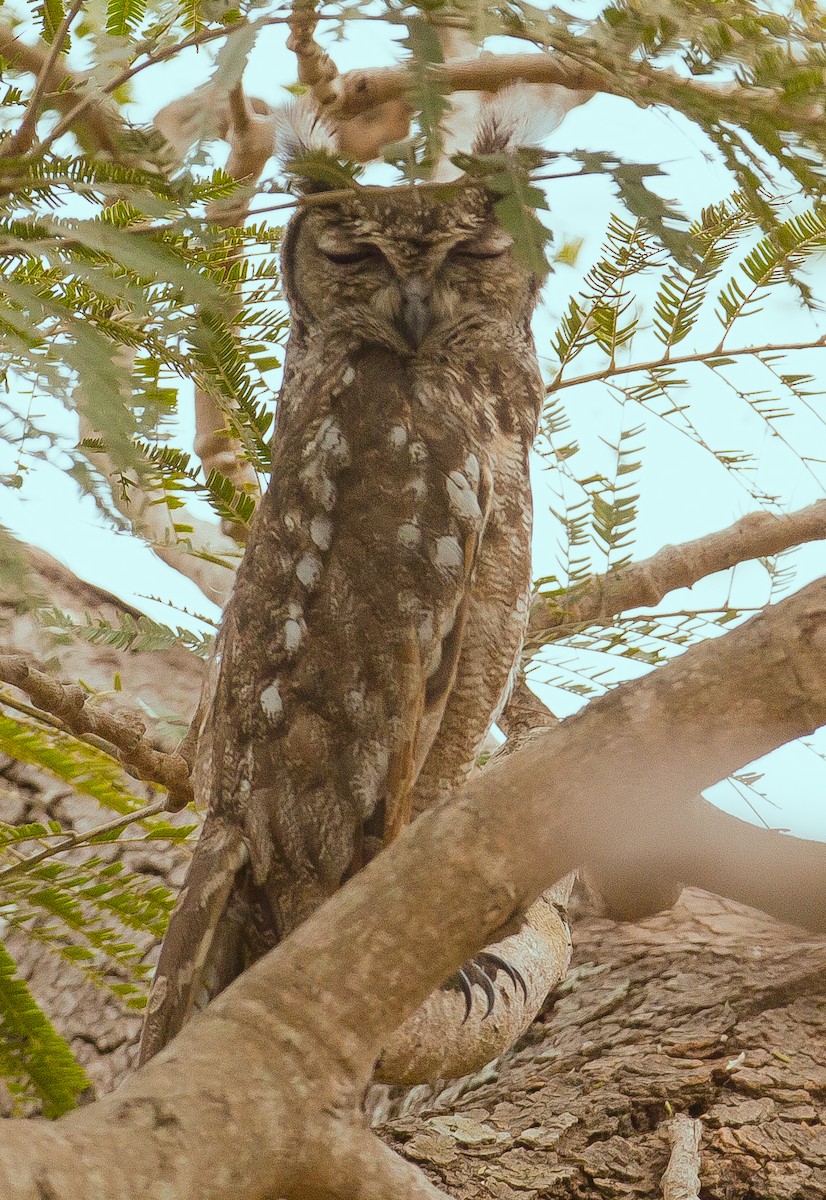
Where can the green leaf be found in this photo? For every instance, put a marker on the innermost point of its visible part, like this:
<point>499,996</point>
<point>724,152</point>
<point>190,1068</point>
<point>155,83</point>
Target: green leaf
<point>124,16</point>
<point>50,14</point>
<point>75,763</point>
<point>35,1060</point>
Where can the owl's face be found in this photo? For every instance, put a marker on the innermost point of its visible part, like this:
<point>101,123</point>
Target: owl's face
<point>404,270</point>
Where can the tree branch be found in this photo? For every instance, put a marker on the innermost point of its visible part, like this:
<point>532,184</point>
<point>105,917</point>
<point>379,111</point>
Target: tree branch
<point>261,1093</point>
<point>357,91</point>
<point>20,141</point>
<point>97,126</point>
<point>131,749</point>
<point>644,584</point>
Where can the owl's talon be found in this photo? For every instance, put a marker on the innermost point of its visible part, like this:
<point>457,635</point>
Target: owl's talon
<point>464,985</point>
<point>514,975</point>
<point>474,972</point>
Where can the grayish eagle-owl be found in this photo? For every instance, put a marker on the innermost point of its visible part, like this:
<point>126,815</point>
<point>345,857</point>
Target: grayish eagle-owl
<point>379,611</point>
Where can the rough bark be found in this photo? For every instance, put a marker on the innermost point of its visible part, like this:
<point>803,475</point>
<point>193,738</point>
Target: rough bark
<point>711,1009</point>
<point>260,1094</point>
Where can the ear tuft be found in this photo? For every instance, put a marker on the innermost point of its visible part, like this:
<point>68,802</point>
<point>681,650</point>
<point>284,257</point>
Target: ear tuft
<point>522,114</point>
<point>300,130</point>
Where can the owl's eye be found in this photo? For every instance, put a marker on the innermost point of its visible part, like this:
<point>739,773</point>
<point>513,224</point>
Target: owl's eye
<point>358,254</point>
<point>481,249</point>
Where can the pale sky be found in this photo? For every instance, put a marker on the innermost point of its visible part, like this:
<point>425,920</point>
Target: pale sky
<point>684,493</point>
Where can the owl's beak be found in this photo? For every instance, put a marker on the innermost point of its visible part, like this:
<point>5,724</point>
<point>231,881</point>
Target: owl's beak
<point>414,318</point>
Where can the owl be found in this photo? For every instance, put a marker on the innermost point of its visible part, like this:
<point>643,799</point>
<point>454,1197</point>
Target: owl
<point>378,614</point>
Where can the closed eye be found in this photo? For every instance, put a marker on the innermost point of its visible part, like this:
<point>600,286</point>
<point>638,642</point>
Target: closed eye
<point>479,250</point>
<point>356,255</point>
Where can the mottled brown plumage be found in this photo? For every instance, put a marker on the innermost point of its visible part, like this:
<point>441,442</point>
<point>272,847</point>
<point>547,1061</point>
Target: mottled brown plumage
<point>380,607</point>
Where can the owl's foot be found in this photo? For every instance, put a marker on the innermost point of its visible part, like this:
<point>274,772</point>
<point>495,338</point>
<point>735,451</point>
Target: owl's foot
<point>482,970</point>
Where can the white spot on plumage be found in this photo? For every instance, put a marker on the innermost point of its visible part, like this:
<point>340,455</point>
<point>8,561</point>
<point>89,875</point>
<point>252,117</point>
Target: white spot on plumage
<point>462,498</point>
<point>293,633</point>
<point>448,553</point>
<point>409,535</point>
<point>409,603</point>
<point>417,486</point>
<point>426,632</point>
<point>292,519</point>
<point>309,570</point>
<point>472,469</point>
<point>418,453</point>
<point>348,376</point>
<point>397,437</point>
<point>321,531</point>
<point>331,441</point>
<point>271,701</point>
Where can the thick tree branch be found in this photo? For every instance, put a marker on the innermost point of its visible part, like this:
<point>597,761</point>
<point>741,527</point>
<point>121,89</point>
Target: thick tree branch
<point>644,584</point>
<point>260,1095</point>
<point>360,90</point>
<point>131,749</point>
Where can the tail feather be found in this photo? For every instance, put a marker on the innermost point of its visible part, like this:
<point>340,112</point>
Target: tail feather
<point>201,953</point>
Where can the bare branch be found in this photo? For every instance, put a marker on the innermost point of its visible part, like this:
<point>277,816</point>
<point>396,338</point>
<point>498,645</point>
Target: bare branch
<point>644,584</point>
<point>131,749</point>
<point>316,70</point>
<point>681,1180</point>
<point>360,90</point>
<point>22,138</point>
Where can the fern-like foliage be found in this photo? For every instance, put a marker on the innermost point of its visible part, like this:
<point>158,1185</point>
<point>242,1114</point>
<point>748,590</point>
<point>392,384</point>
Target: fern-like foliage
<point>36,1063</point>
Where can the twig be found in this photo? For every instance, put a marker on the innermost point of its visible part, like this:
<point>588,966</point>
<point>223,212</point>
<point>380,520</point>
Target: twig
<point>679,360</point>
<point>151,60</point>
<point>133,751</point>
<point>681,1180</point>
<point>644,584</point>
<point>80,839</point>
<point>22,138</point>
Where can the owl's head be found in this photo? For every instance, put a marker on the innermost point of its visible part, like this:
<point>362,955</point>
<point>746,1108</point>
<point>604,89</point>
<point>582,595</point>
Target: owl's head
<point>406,267</point>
